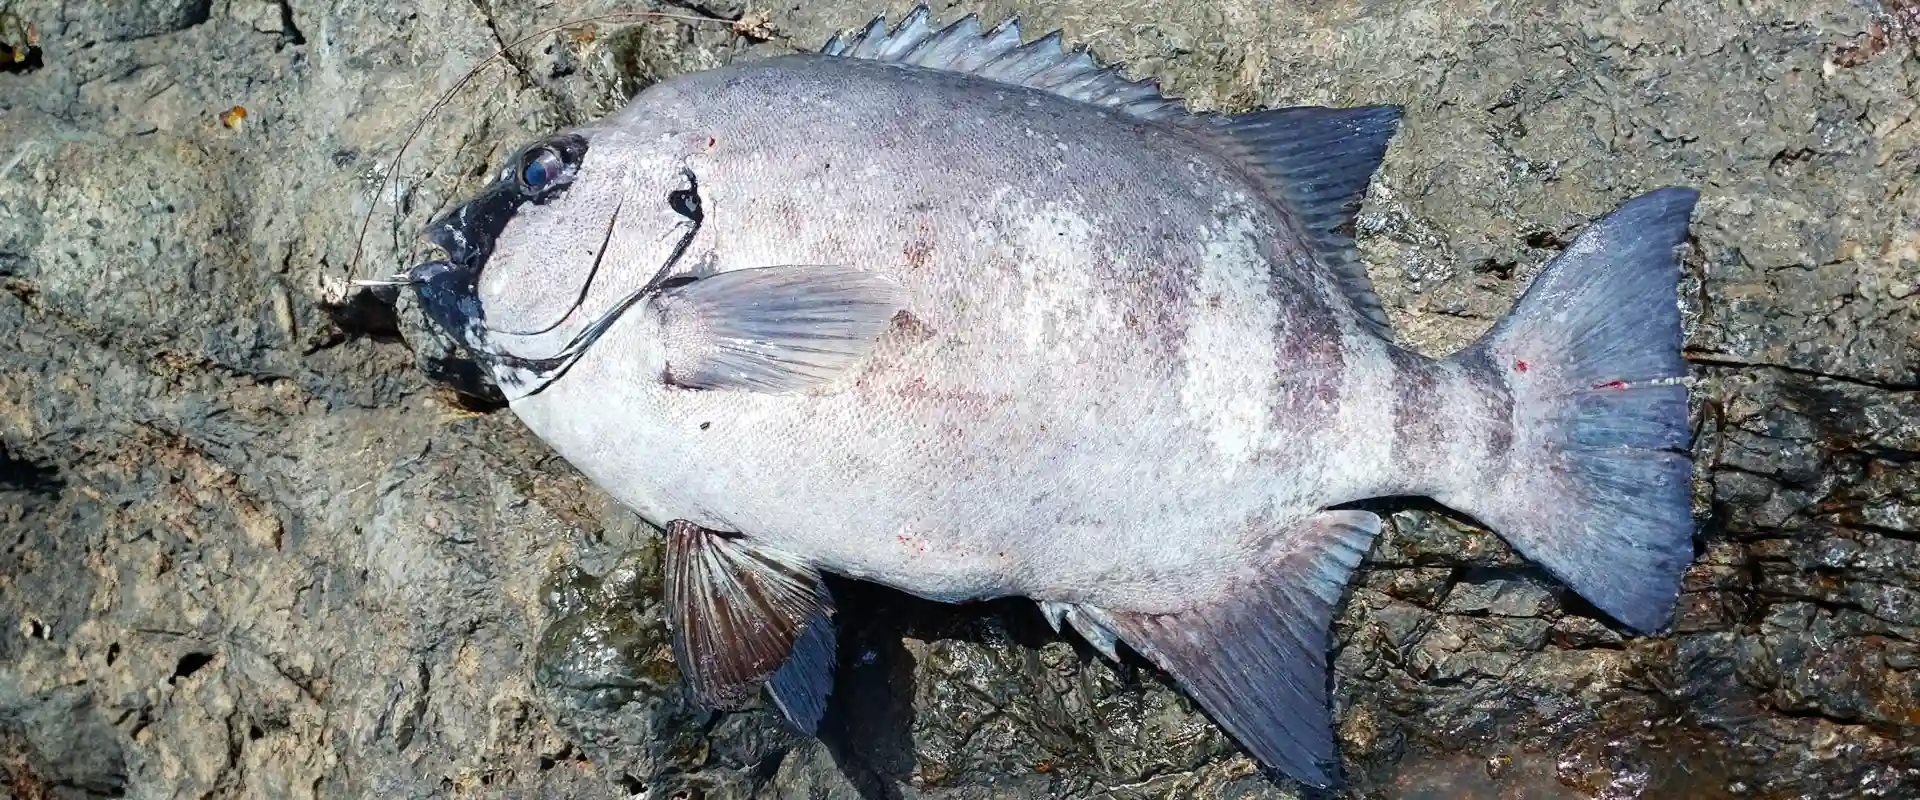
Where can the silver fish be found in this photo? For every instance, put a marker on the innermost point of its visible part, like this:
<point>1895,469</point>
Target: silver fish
<point>974,317</point>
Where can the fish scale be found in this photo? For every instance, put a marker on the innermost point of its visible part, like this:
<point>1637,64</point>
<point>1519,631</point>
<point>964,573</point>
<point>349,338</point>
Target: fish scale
<point>974,317</point>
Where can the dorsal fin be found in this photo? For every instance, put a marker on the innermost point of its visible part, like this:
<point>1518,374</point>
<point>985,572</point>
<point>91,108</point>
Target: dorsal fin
<point>1315,161</point>
<point>1319,161</point>
<point>999,55</point>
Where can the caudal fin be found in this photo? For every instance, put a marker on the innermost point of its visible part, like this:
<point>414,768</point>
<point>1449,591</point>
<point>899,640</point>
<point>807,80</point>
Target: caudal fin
<point>1596,486</point>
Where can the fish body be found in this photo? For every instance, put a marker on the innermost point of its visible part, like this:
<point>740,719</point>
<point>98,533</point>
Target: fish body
<point>1115,379</point>
<point>971,318</point>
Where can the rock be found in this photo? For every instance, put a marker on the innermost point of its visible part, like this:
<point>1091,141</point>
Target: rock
<point>263,534</point>
<point>1503,597</point>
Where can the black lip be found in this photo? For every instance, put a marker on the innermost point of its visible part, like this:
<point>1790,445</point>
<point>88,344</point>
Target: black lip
<point>468,233</point>
<point>445,291</point>
<point>447,295</point>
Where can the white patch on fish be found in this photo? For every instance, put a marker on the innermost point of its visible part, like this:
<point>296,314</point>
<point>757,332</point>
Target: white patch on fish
<point>1230,357</point>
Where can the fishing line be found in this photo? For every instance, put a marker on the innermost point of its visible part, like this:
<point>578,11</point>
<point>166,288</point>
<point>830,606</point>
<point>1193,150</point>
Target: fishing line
<point>353,264</point>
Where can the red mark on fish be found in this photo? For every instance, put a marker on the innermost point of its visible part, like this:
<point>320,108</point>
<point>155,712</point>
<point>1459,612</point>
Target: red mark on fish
<point>1613,384</point>
<point>1520,365</point>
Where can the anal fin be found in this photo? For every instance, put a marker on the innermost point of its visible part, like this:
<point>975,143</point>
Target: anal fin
<point>1257,660</point>
<point>743,616</point>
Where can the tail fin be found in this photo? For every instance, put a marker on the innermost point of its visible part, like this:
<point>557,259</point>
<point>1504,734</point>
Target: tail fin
<point>1597,489</point>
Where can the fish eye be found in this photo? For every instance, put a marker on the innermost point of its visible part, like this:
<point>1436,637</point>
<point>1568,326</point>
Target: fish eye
<point>541,169</point>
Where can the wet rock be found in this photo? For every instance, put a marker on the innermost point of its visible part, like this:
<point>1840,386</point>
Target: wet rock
<point>1503,597</point>
<point>260,533</point>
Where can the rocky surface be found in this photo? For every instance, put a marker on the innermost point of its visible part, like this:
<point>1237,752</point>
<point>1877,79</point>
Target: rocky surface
<point>251,544</point>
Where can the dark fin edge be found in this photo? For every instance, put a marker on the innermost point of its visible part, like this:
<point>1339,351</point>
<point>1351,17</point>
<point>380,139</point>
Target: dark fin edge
<point>742,616</point>
<point>1257,662</point>
<point>800,687</point>
<point>1318,163</point>
<point>1591,354</point>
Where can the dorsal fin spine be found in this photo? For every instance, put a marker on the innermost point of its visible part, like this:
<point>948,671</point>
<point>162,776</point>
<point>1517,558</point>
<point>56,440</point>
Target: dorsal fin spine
<point>1044,63</point>
<point>914,31</point>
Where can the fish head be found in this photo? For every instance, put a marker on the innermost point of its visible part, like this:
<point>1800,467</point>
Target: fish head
<point>571,232</point>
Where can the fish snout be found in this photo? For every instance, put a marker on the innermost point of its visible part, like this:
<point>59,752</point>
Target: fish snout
<point>452,234</point>
<point>444,234</point>
<point>468,233</point>
<point>432,272</point>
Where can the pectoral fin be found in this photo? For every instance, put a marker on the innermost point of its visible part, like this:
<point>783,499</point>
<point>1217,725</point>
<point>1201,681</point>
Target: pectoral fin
<point>1257,661</point>
<point>743,616</point>
<point>774,329</point>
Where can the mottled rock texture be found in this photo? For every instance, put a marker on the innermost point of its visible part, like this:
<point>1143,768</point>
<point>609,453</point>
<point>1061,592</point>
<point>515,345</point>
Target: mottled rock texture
<point>251,544</point>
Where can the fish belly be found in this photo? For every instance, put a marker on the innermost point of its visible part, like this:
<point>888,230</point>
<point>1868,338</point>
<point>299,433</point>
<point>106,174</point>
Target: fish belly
<point>1099,463</point>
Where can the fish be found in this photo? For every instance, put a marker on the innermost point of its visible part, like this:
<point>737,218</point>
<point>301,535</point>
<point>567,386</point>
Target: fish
<point>973,317</point>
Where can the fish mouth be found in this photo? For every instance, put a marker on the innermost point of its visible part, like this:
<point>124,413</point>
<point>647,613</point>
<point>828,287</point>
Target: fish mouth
<point>448,297</point>
<point>448,288</point>
<point>448,291</point>
<point>447,294</point>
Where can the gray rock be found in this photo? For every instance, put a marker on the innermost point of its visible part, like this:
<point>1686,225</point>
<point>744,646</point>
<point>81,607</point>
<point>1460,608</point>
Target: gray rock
<point>262,535</point>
